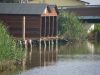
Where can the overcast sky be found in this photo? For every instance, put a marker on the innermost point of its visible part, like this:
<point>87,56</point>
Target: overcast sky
<point>93,2</point>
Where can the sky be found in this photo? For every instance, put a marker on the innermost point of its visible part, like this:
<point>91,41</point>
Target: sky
<point>93,2</point>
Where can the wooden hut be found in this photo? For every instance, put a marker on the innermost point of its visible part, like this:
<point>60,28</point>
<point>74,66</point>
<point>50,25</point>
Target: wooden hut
<point>29,21</point>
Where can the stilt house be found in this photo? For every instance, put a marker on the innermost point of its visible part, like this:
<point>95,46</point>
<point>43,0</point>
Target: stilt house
<point>30,21</point>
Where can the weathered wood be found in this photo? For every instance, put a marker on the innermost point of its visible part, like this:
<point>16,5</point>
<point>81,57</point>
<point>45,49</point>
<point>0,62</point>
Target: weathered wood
<point>47,26</point>
<point>55,26</point>
<point>43,27</point>
<point>23,28</point>
<point>51,25</point>
<point>32,26</point>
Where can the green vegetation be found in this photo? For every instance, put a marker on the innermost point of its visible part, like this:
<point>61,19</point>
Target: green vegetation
<point>95,34</point>
<point>70,27</point>
<point>97,28</point>
<point>8,47</point>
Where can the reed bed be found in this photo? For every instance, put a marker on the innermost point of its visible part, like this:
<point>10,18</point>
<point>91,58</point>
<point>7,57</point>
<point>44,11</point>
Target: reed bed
<point>8,48</point>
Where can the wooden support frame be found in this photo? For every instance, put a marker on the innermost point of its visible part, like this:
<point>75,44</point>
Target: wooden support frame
<point>23,28</point>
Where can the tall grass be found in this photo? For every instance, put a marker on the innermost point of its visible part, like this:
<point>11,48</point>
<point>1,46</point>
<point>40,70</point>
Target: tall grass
<point>8,49</point>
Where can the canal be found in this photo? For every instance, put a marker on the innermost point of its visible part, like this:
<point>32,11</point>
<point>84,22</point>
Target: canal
<point>69,59</point>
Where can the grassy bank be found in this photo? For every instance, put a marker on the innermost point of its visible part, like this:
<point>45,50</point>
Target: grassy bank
<point>8,47</point>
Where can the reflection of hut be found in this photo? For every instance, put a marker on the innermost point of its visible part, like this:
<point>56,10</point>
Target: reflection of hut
<point>32,21</point>
<point>43,57</point>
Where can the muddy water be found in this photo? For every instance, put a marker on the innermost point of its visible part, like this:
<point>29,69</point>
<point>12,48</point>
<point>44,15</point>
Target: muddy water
<point>69,59</point>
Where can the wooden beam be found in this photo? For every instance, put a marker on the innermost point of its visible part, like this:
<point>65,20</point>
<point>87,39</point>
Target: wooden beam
<point>23,28</point>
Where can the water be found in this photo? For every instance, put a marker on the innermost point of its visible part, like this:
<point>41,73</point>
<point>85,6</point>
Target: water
<point>69,59</point>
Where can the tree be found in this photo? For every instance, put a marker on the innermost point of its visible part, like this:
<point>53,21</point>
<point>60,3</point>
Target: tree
<point>70,27</point>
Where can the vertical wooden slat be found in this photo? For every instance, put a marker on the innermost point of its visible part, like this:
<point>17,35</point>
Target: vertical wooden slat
<point>23,28</point>
<point>51,24</point>
<point>47,26</point>
<point>55,26</point>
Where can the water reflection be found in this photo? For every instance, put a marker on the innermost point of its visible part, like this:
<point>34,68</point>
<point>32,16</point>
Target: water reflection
<point>39,57</point>
<point>80,51</point>
<point>90,47</point>
<point>79,48</point>
<point>72,59</point>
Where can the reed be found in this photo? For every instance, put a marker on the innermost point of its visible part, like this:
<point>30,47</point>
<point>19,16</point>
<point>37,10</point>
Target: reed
<point>8,48</point>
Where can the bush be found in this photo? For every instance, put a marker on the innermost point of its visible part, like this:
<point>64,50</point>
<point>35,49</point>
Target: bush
<point>71,27</point>
<point>97,28</point>
<point>8,49</point>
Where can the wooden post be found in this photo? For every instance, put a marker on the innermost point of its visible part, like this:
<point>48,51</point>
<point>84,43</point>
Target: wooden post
<point>23,28</point>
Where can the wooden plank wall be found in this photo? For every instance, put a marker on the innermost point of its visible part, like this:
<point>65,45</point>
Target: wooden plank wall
<point>33,26</point>
<point>14,25</point>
